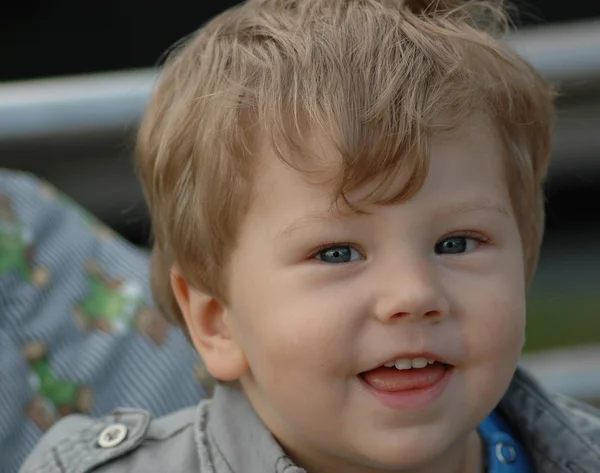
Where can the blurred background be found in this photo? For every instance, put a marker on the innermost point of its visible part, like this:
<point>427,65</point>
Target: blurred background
<point>74,78</point>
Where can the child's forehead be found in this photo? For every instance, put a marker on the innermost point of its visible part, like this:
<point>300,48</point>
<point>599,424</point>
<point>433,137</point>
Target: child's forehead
<point>317,158</point>
<point>309,186</point>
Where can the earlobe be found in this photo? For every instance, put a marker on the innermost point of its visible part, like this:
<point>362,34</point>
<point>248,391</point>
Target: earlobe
<point>209,325</point>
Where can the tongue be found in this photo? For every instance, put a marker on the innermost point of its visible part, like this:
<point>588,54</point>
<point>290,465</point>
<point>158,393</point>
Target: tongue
<point>393,380</point>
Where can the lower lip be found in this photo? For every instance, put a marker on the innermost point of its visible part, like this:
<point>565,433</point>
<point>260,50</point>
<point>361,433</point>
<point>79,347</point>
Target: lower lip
<point>411,398</point>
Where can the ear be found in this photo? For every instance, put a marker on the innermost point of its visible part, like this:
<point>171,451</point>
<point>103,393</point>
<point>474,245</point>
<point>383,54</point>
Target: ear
<point>209,325</point>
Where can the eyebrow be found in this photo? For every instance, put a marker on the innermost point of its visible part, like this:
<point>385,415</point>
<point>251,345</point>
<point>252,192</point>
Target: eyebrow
<point>325,217</point>
<point>452,208</point>
<point>476,206</point>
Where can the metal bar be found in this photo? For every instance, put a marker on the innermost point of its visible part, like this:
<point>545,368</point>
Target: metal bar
<point>71,106</point>
<point>574,372</point>
<point>113,102</point>
<point>568,54</point>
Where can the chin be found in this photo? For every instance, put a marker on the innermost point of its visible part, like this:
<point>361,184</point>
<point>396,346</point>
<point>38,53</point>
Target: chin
<point>405,453</point>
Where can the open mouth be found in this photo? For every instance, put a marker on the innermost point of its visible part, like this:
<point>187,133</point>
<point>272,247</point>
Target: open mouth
<point>406,374</point>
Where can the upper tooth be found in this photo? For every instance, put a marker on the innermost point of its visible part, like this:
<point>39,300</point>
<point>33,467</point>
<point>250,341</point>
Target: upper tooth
<point>419,362</point>
<point>403,364</point>
<point>408,363</point>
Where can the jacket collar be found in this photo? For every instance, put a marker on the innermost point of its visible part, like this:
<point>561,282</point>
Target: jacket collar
<point>238,440</point>
<point>560,435</point>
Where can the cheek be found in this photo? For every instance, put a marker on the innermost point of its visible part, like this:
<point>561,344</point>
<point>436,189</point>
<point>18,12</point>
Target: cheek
<point>298,354</point>
<point>283,328</point>
<point>491,313</point>
<point>495,316</point>
<point>504,330</point>
<point>508,309</point>
<point>495,345</point>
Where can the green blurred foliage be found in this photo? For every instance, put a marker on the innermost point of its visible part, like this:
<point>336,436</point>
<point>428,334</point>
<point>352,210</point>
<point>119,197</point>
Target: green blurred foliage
<point>562,320</point>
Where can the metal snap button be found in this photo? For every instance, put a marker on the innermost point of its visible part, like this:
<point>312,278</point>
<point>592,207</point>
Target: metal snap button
<point>506,453</point>
<point>112,436</point>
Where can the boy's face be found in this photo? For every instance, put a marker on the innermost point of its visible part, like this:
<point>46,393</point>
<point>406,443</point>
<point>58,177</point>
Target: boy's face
<point>318,299</point>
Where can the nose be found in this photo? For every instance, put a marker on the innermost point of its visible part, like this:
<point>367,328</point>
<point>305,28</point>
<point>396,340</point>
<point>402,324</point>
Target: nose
<point>412,292</point>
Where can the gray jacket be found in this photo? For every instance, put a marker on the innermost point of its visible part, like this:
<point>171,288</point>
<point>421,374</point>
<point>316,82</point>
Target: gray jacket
<point>225,436</point>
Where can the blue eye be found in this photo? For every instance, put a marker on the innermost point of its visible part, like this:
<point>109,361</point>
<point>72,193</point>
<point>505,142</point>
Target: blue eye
<point>456,245</point>
<point>338,254</point>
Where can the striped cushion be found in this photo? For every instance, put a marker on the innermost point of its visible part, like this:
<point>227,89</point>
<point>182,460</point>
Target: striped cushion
<point>77,331</point>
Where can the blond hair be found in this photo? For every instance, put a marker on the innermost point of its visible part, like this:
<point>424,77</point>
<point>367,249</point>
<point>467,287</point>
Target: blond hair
<point>374,76</point>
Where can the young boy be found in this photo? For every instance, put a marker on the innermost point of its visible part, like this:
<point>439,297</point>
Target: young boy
<point>347,205</point>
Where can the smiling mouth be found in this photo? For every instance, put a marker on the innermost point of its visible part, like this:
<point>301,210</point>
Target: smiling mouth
<point>402,378</point>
